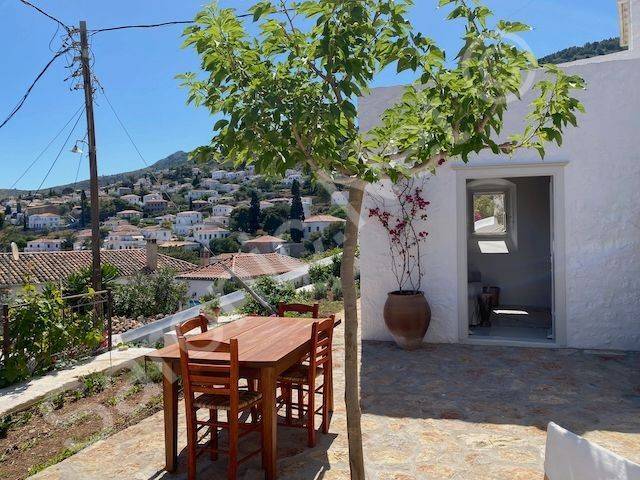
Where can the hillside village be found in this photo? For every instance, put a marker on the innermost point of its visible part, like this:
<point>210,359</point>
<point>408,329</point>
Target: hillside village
<point>177,217</point>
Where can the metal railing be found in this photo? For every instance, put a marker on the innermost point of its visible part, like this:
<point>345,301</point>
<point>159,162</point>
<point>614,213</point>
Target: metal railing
<point>60,336</point>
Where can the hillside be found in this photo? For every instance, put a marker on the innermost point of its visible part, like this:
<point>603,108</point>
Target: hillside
<point>172,161</point>
<point>588,50</point>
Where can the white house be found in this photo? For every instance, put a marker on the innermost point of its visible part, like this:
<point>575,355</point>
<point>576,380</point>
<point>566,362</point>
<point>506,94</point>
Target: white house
<point>132,199</point>
<point>340,198</point>
<point>318,224</point>
<point>204,235</point>
<point>151,197</point>
<point>156,233</point>
<point>44,221</point>
<point>562,241</point>
<point>123,191</point>
<point>218,220</point>
<point>221,210</point>
<point>199,193</point>
<point>44,245</point>
<point>126,237</point>
<point>129,214</point>
<point>185,221</point>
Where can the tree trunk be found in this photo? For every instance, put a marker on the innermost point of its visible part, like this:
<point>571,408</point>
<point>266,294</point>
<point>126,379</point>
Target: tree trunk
<point>352,389</point>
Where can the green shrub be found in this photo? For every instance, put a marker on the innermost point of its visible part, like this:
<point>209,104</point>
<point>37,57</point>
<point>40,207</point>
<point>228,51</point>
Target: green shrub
<point>93,383</point>
<point>320,291</point>
<point>335,285</point>
<point>320,273</point>
<point>270,291</point>
<point>44,332</point>
<point>148,295</point>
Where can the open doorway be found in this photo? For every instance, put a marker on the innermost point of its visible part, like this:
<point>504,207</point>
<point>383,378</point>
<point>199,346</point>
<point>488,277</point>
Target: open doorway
<point>509,258</point>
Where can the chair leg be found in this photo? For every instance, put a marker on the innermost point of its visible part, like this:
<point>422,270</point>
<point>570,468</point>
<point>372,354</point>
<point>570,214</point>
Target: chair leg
<point>191,445</point>
<point>288,400</point>
<point>300,389</point>
<point>213,417</point>
<point>329,383</point>
<point>252,384</point>
<point>311,417</point>
<point>233,445</point>
<point>325,407</point>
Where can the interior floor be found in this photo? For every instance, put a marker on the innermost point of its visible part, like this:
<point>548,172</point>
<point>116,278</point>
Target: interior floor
<point>517,323</point>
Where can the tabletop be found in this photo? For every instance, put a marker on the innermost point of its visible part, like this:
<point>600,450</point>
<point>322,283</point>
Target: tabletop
<point>262,341</point>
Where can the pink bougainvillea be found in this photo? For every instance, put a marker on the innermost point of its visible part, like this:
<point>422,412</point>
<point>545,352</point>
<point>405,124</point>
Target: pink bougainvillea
<point>405,238</point>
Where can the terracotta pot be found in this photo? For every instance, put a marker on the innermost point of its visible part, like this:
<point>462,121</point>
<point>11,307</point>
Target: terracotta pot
<point>407,316</point>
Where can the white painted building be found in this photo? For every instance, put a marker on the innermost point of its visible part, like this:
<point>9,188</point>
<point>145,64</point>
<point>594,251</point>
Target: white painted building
<point>218,174</point>
<point>125,238</point>
<point>185,221</point>
<point>156,233</point>
<point>44,221</point>
<point>151,197</point>
<point>565,252</point>
<point>221,210</point>
<point>204,194</point>
<point>129,214</point>
<point>204,235</point>
<point>340,198</point>
<point>318,224</point>
<point>44,245</point>
<point>132,199</point>
<point>217,220</point>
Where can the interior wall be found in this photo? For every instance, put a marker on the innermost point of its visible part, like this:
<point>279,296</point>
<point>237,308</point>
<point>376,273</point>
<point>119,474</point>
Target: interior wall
<point>523,275</point>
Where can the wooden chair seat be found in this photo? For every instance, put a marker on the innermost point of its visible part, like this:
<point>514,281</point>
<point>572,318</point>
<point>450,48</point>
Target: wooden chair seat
<point>298,374</point>
<point>223,402</point>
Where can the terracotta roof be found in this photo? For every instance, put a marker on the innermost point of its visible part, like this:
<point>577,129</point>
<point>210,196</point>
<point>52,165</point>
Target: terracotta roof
<point>265,239</point>
<point>41,267</point>
<point>245,265</point>
<point>324,218</point>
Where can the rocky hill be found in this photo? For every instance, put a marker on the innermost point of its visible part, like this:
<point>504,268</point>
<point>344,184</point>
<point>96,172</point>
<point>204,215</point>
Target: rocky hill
<point>588,50</point>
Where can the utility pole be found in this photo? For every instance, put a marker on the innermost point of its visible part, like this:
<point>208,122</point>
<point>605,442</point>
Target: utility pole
<point>96,274</point>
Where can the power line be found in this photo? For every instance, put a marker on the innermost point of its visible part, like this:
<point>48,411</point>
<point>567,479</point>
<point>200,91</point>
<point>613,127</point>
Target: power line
<point>151,25</point>
<point>48,15</point>
<point>33,84</point>
<point>60,151</point>
<point>47,147</point>
<point>163,24</point>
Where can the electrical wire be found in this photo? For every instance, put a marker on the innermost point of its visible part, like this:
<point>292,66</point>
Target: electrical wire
<point>33,84</point>
<point>79,110</point>
<point>60,152</point>
<point>48,15</point>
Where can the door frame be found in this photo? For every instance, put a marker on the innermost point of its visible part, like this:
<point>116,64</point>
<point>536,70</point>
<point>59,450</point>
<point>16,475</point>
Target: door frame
<point>554,170</point>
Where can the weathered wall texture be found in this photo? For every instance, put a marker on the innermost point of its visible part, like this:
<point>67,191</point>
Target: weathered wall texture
<point>602,193</point>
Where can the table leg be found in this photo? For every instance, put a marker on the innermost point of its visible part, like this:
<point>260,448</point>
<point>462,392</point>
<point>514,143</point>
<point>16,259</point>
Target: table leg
<point>170,397</point>
<point>269,423</point>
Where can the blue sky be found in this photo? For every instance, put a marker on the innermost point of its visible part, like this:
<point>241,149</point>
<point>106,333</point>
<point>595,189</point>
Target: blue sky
<point>137,69</point>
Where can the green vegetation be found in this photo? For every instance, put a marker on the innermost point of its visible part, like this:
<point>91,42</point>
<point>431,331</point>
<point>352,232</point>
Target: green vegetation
<point>148,295</point>
<point>224,245</point>
<point>44,331</point>
<point>272,292</point>
<point>296,214</point>
<point>588,50</point>
<point>191,256</point>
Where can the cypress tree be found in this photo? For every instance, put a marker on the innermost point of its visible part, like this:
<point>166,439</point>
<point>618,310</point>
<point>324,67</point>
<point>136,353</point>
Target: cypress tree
<point>254,213</point>
<point>297,213</point>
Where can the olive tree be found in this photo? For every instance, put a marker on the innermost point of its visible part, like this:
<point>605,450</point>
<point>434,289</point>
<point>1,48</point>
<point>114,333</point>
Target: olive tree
<point>286,97</point>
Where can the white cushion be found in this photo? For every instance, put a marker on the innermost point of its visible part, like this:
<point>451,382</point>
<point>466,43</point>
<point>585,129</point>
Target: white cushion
<point>570,457</point>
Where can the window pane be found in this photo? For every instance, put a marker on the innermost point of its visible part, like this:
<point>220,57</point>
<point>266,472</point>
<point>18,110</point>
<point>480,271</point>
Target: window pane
<point>489,216</point>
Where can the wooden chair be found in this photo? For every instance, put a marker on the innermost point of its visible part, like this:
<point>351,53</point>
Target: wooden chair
<point>314,309</point>
<point>304,375</point>
<point>215,387</point>
<point>188,326</point>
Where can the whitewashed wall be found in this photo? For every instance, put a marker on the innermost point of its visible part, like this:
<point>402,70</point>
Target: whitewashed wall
<point>602,198</point>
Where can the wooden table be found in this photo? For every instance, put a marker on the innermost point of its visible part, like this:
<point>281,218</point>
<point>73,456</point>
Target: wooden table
<point>268,344</point>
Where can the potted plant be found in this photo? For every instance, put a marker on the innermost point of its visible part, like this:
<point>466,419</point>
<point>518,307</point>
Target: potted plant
<point>406,312</point>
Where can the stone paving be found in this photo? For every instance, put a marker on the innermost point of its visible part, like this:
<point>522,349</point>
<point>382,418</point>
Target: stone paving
<point>442,412</point>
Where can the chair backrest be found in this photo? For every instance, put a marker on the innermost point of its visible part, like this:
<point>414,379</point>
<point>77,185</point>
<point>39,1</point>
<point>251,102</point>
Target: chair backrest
<point>570,457</point>
<point>321,344</point>
<point>314,309</point>
<point>189,325</point>
<point>200,376</point>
